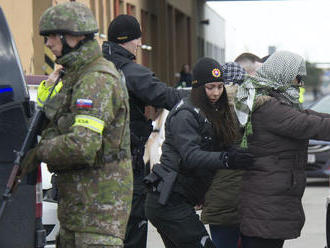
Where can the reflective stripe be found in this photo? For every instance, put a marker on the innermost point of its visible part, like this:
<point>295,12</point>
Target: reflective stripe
<point>89,122</point>
<point>44,91</point>
<point>301,94</point>
<point>40,103</point>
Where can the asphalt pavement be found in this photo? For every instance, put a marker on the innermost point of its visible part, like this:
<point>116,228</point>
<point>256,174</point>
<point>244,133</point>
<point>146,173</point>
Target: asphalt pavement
<point>313,234</point>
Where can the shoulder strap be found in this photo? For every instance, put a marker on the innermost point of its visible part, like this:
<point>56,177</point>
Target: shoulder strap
<point>185,105</point>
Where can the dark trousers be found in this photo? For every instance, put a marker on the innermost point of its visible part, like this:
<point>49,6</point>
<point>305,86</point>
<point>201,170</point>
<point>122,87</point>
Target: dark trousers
<point>137,226</point>
<point>177,223</point>
<point>225,237</point>
<point>256,242</point>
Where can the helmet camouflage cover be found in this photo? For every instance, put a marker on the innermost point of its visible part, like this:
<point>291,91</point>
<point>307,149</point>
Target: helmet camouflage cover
<point>68,18</point>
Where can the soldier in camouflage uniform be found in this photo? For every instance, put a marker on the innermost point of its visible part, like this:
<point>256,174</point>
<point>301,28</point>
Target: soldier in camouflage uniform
<point>87,140</point>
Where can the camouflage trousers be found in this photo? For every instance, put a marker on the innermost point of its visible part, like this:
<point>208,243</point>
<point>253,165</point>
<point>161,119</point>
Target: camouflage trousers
<point>70,239</point>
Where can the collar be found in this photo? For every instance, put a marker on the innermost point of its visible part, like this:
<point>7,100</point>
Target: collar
<point>76,60</point>
<point>110,48</point>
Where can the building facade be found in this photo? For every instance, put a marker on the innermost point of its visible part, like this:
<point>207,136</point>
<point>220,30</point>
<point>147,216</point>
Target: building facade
<point>173,32</point>
<point>211,35</point>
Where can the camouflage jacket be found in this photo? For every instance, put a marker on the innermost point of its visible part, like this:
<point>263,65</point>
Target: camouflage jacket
<point>87,144</point>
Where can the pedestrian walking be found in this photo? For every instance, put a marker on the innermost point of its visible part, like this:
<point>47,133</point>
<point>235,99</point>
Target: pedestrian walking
<point>86,142</point>
<point>277,131</point>
<point>124,38</point>
<point>199,133</point>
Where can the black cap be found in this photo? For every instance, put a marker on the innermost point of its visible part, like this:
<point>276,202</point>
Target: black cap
<point>206,70</point>
<point>124,28</point>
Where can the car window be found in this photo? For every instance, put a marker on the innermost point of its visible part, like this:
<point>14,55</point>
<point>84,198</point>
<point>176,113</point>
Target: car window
<point>323,105</point>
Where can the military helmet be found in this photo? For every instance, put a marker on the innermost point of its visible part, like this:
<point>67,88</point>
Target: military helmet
<point>68,18</point>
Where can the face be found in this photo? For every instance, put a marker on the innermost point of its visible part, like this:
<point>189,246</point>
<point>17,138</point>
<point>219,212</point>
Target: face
<point>132,45</point>
<point>186,68</point>
<point>53,42</point>
<point>249,66</point>
<point>214,91</point>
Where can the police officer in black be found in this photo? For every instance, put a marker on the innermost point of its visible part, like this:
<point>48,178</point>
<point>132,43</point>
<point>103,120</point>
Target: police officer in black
<point>199,134</point>
<point>124,38</point>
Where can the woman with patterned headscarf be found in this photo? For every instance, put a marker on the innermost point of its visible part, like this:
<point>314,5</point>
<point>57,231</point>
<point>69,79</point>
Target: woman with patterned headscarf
<point>277,131</point>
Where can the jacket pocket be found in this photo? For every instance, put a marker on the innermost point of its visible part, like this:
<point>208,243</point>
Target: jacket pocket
<point>292,181</point>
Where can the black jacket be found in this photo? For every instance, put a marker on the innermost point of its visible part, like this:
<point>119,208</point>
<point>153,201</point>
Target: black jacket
<point>191,149</point>
<point>143,88</point>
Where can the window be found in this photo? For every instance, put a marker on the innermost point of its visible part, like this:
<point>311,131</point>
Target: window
<point>118,7</point>
<point>131,9</point>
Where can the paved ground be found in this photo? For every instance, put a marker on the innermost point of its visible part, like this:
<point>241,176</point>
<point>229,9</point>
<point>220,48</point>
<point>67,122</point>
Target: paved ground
<point>313,234</point>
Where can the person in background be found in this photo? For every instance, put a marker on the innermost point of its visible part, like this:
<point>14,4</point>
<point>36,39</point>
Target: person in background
<point>249,61</point>
<point>220,208</point>
<point>86,142</point>
<point>185,77</point>
<point>144,88</point>
<point>199,133</point>
<point>233,73</point>
<point>276,132</point>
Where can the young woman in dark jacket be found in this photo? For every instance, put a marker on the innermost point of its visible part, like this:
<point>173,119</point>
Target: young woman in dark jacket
<point>198,134</point>
<point>277,131</point>
<point>220,208</point>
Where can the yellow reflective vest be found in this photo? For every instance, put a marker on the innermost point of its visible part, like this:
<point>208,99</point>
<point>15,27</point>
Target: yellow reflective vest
<point>44,91</point>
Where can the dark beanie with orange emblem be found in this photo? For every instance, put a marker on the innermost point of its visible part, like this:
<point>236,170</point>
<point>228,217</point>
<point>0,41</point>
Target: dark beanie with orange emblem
<point>206,70</point>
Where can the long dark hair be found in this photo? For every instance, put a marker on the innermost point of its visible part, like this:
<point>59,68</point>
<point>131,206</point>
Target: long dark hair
<point>219,114</point>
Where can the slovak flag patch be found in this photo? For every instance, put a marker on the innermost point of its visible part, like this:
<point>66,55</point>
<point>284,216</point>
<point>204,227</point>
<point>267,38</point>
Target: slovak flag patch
<point>84,103</point>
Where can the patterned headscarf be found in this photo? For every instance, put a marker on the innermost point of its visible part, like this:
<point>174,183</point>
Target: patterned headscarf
<point>276,74</point>
<point>233,73</point>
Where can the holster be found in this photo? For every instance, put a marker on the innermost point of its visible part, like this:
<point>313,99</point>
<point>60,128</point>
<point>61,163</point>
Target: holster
<point>163,179</point>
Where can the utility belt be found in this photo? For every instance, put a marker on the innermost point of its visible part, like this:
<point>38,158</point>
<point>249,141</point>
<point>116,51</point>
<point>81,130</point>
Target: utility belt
<point>161,179</point>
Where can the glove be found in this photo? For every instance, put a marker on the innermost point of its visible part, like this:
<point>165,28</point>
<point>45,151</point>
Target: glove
<point>235,158</point>
<point>30,162</point>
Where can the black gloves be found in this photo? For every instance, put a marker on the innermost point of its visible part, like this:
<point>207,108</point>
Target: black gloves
<point>235,158</point>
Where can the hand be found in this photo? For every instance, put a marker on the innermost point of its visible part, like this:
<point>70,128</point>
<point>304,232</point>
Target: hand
<point>30,162</point>
<point>239,159</point>
<point>198,207</point>
<point>53,76</point>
